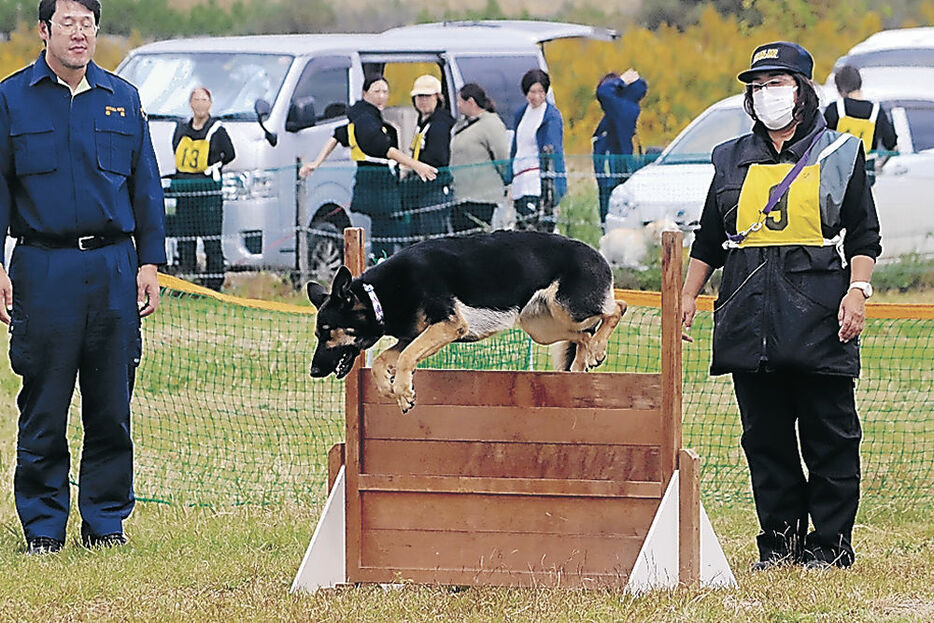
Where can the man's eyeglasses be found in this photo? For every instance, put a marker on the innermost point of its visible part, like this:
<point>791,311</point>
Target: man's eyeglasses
<point>69,28</point>
<point>771,84</point>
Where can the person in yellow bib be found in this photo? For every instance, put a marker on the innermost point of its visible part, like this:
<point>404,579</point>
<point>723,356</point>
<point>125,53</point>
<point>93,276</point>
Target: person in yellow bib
<point>790,218</point>
<point>202,146</point>
<point>373,144</point>
<point>859,117</point>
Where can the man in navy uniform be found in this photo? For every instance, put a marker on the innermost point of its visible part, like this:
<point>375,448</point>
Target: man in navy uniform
<point>80,190</point>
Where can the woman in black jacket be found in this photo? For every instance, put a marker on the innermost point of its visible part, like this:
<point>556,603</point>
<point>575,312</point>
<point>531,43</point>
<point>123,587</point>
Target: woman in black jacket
<point>202,146</point>
<point>373,144</point>
<point>427,204</point>
<point>790,218</point>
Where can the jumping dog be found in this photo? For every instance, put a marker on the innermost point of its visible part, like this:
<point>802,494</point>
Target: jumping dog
<point>465,289</point>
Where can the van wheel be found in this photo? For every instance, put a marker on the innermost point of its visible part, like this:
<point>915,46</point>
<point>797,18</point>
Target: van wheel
<point>325,251</point>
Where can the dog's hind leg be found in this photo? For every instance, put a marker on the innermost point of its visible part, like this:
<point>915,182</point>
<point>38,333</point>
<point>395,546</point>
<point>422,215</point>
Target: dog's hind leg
<point>431,340</point>
<point>563,354</point>
<point>384,367</point>
<point>613,312</point>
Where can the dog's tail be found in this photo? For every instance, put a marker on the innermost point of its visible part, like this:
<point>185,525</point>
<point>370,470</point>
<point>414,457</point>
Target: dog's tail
<point>562,355</point>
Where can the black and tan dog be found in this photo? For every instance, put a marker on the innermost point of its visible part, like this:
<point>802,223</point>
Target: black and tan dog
<point>464,289</point>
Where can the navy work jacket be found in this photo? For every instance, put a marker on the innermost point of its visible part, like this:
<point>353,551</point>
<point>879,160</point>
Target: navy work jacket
<point>77,166</point>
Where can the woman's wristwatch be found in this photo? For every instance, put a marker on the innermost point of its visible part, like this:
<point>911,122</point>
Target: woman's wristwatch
<point>863,286</point>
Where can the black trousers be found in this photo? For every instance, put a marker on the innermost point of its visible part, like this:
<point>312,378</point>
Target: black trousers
<point>829,434</point>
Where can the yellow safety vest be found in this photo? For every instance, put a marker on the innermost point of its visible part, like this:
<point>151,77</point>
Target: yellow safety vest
<point>418,142</point>
<point>356,153</point>
<point>795,219</point>
<point>191,155</point>
<point>864,129</point>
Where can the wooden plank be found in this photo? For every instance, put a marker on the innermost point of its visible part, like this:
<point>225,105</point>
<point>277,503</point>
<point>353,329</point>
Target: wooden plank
<point>489,388</point>
<point>512,486</point>
<point>335,461</point>
<point>671,351</point>
<point>493,577</point>
<point>536,424</point>
<point>472,512</point>
<point>511,460</point>
<point>354,259</point>
<point>689,519</point>
<point>414,549</point>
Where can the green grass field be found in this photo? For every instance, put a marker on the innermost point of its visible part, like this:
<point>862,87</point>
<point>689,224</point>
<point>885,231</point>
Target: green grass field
<point>231,436</point>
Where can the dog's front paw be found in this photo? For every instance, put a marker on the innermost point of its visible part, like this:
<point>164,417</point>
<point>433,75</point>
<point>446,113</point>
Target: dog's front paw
<point>384,379</point>
<point>406,400</point>
<point>596,359</point>
<point>404,392</point>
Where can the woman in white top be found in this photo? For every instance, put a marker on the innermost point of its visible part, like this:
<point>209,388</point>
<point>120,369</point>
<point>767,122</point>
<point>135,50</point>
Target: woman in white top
<point>538,173</point>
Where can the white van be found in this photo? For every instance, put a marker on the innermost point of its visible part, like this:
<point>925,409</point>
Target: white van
<point>280,98</point>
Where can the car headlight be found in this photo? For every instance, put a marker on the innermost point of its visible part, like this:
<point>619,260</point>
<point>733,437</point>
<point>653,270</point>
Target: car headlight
<point>622,202</point>
<point>255,184</point>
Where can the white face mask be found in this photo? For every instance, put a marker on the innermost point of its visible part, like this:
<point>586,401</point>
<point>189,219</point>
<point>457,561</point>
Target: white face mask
<point>775,106</point>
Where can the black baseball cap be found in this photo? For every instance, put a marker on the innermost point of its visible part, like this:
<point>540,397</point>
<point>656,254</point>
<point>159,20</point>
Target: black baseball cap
<point>779,56</point>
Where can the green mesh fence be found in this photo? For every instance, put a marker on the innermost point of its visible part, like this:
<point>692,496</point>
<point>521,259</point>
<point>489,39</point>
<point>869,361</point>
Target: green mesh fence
<point>226,413</point>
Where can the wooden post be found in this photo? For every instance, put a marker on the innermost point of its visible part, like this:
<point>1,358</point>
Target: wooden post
<point>335,461</point>
<point>301,223</point>
<point>354,260</point>
<point>671,350</point>
<point>689,519</point>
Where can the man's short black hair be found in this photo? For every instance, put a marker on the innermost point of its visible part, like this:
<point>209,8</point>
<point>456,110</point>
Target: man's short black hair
<point>47,9</point>
<point>848,80</point>
<point>531,77</point>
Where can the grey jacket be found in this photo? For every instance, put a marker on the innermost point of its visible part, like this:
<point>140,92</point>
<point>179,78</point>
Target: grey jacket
<point>474,147</point>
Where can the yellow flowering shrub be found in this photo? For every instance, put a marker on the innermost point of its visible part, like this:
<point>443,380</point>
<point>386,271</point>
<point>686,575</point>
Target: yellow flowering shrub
<point>686,70</point>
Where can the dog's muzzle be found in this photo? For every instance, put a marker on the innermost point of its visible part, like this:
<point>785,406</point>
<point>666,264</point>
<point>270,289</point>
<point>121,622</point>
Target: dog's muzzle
<point>340,368</point>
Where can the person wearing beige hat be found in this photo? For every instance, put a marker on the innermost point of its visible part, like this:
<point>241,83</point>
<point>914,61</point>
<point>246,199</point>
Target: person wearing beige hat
<point>427,203</point>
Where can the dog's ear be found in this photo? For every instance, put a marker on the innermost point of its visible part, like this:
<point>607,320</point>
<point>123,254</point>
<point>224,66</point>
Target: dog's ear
<point>316,293</point>
<point>340,288</point>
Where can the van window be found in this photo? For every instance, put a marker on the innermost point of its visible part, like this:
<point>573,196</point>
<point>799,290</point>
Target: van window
<point>236,81</point>
<point>500,77</point>
<point>327,79</point>
<point>921,121</point>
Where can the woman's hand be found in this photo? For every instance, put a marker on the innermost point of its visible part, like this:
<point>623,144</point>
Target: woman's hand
<point>852,315</point>
<point>308,169</point>
<point>688,310</point>
<point>629,76</point>
<point>425,171</point>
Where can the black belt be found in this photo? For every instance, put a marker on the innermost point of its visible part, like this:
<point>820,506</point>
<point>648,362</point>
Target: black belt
<point>82,243</point>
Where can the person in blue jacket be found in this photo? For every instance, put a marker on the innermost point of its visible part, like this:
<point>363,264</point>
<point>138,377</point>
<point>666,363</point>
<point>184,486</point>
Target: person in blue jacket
<point>538,174</point>
<point>619,97</point>
<point>80,190</point>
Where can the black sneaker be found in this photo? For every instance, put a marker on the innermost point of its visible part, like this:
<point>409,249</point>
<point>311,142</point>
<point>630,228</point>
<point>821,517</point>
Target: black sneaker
<point>43,545</point>
<point>771,563</point>
<point>101,541</point>
<point>816,564</point>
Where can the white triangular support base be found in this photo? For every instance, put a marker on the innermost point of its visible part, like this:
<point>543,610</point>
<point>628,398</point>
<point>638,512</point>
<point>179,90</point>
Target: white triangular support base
<point>324,565</point>
<point>657,564</point>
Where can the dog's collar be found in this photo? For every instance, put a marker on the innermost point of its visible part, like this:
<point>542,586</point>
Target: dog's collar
<point>374,301</point>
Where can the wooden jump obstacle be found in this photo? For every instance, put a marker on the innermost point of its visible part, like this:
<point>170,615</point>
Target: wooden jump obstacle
<point>519,478</point>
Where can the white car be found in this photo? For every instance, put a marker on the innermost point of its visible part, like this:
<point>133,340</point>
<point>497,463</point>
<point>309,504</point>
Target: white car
<point>674,187</point>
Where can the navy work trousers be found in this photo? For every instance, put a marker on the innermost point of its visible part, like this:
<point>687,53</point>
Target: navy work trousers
<point>74,315</point>
<point>824,408</point>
